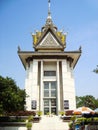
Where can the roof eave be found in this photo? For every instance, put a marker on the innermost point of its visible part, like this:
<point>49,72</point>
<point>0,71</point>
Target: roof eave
<point>23,55</point>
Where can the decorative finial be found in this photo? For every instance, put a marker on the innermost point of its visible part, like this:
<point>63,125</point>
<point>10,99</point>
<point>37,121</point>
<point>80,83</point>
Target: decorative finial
<point>49,12</point>
<point>49,5</point>
<point>80,48</point>
<point>19,49</point>
<point>49,18</point>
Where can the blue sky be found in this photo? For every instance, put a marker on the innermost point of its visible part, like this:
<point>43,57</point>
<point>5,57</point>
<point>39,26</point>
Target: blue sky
<point>19,18</point>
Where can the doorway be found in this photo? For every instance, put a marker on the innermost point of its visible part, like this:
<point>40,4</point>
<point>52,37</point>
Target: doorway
<point>50,93</point>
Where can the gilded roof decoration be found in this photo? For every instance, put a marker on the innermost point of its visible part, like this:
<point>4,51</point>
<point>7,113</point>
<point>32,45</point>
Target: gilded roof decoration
<point>49,26</point>
<point>62,37</point>
<point>38,35</point>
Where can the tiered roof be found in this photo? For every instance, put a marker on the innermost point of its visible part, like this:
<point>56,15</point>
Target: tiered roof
<point>49,43</point>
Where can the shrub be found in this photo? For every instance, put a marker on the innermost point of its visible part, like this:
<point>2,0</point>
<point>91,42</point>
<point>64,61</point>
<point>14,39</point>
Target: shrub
<point>22,113</point>
<point>39,113</point>
<point>61,113</point>
<point>73,118</point>
<point>30,118</point>
<point>95,119</point>
<point>70,125</point>
<point>11,119</point>
<point>29,125</point>
<point>88,120</point>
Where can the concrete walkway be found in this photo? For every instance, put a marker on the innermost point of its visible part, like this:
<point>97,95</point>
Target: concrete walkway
<point>50,123</point>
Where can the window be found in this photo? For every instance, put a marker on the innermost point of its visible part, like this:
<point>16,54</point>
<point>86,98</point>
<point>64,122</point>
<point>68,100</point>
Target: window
<point>53,93</point>
<point>66,104</point>
<point>46,85</point>
<point>50,89</point>
<point>49,73</point>
<point>53,102</point>
<point>46,93</point>
<point>33,104</point>
<point>46,102</point>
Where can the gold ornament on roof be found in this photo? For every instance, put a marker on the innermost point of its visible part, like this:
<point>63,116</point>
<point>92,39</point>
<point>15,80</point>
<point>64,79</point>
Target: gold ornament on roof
<point>62,37</point>
<point>36,37</point>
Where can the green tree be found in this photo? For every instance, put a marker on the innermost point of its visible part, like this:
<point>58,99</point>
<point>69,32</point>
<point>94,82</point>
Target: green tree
<point>96,70</point>
<point>87,100</point>
<point>12,98</point>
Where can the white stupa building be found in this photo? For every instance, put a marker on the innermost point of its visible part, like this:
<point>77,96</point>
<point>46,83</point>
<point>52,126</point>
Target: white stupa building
<point>49,81</point>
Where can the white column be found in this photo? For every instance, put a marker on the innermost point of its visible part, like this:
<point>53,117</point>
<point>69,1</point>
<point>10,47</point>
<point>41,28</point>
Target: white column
<point>58,87</point>
<point>41,88</point>
<point>68,85</point>
<point>34,81</point>
<point>28,89</point>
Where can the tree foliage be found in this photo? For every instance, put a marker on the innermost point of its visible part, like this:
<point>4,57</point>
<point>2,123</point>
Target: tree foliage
<point>88,101</point>
<point>96,70</point>
<point>12,98</point>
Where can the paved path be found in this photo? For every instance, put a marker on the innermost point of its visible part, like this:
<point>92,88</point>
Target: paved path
<point>50,123</point>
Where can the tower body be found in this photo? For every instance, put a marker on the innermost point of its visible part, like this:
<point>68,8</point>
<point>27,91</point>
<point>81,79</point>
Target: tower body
<point>49,81</point>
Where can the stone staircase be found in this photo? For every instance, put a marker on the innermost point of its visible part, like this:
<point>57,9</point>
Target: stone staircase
<point>50,123</point>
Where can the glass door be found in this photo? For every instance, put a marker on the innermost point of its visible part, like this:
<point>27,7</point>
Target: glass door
<point>46,106</point>
<point>50,93</point>
<point>53,106</point>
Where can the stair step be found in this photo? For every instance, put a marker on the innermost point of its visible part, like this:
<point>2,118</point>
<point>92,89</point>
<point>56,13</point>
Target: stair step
<point>50,123</point>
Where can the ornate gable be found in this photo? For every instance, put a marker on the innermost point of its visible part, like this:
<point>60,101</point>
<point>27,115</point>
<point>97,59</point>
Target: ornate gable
<point>49,39</point>
<point>49,42</point>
